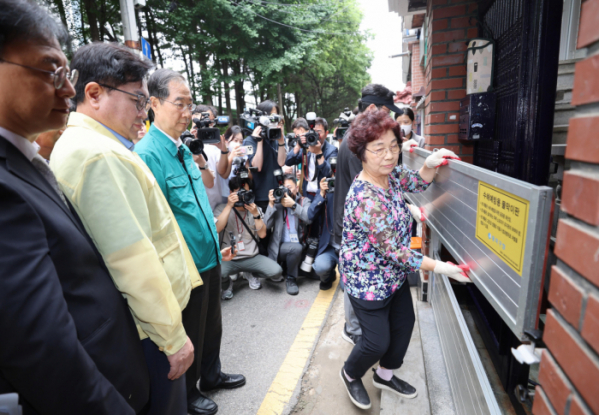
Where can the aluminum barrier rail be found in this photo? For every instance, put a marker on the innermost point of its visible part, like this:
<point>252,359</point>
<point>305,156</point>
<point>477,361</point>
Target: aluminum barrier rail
<point>498,226</point>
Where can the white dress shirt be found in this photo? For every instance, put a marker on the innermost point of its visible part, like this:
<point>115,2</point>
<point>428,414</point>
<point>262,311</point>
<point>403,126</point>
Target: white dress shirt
<point>25,146</point>
<point>177,142</point>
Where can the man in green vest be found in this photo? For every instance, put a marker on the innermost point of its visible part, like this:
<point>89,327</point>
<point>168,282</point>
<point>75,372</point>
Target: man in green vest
<point>179,175</point>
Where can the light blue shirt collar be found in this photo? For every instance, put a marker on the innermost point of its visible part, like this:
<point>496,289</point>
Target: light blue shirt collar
<point>127,143</point>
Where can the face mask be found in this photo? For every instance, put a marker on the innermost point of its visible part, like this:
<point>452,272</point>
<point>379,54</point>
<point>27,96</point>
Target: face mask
<point>407,129</point>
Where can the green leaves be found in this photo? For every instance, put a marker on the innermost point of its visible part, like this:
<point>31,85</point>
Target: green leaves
<point>312,48</point>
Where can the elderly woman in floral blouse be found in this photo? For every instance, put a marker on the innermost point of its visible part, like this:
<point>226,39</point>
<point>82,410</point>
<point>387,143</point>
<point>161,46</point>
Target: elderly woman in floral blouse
<point>375,255</point>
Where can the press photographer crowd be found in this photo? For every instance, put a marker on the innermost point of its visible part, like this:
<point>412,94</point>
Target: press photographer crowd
<point>117,243</point>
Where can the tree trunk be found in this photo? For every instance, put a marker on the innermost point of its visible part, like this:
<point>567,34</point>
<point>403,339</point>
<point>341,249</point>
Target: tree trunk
<point>150,35</point>
<point>63,18</point>
<point>220,87</point>
<point>205,78</point>
<point>298,104</point>
<point>92,19</point>
<point>155,33</point>
<point>225,67</point>
<point>281,102</point>
<point>192,83</point>
<point>239,91</point>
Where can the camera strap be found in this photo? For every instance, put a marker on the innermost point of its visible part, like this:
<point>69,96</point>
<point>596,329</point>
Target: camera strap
<point>247,227</point>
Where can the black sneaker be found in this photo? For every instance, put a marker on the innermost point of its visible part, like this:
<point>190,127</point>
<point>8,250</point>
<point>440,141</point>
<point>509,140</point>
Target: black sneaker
<point>395,385</point>
<point>350,338</point>
<point>328,284</point>
<point>292,288</point>
<point>356,391</point>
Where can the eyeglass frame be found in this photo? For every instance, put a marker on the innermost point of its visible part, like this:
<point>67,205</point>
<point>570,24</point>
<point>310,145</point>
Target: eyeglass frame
<point>69,74</point>
<point>190,107</point>
<point>139,97</point>
<point>378,153</point>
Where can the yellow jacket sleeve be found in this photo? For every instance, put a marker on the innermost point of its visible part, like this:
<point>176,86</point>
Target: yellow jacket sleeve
<point>112,196</point>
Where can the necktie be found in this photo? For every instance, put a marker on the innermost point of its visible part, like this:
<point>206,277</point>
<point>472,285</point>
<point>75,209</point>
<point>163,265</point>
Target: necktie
<point>42,166</point>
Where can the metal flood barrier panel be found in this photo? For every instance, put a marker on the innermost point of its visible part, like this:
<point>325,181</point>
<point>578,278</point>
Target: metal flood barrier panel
<point>497,225</point>
<point>470,387</point>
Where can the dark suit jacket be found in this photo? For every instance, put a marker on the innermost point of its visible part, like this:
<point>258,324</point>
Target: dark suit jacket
<point>326,221</point>
<point>69,344</point>
<point>322,170</point>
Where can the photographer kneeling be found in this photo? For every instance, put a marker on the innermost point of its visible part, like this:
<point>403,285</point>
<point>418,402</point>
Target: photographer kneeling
<point>234,224</point>
<point>285,211</point>
<point>326,259</point>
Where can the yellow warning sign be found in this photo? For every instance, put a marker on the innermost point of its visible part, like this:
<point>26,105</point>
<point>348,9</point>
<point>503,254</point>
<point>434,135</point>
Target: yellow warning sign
<point>501,220</point>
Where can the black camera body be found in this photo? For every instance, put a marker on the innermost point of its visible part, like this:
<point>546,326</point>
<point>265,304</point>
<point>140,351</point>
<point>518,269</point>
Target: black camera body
<point>343,123</point>
<point>252,118</point>
<point>312,137</point>
<point>205,133</point>
<point>233,243</point>
<point>331,180</point>
<point>292,140</point>
<point>280,192</point>
<point>195,146</point>
<point>246,197</point>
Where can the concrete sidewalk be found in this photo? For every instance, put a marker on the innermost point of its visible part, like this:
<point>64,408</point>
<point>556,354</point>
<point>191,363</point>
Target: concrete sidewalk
<point>322,392</point>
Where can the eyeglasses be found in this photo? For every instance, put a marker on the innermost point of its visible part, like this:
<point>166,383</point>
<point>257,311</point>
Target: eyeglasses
<point>181,107</point>
<point>384,151</point>
<point>142,101</point>
<point>60,75</point>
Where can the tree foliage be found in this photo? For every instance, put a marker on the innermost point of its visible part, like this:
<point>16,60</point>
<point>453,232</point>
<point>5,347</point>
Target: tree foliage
<point>309,54</point>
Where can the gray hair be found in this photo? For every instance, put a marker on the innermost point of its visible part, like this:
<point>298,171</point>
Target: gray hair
<point>158,82</point>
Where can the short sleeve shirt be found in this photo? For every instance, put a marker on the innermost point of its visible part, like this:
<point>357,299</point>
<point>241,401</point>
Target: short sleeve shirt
<point>234,225</point>
<point>264,180</point>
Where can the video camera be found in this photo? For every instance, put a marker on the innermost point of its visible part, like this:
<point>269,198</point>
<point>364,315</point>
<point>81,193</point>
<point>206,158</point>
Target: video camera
<point>252,118</point>
<point>280,192</point>
<point>246,197</point>
<point>331,180</point>
<point>205,133</point>
<point>343,122</point>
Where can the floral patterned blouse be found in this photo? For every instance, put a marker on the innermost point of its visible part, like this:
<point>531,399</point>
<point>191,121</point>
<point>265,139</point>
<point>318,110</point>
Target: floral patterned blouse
<point>375,253</point>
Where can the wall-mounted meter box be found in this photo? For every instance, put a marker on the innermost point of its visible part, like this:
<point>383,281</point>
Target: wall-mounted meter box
<point>477,117</point>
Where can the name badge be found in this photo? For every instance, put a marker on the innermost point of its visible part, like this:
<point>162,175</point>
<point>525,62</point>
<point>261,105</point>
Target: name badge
<point>240,244</point>
<point>293,238</point>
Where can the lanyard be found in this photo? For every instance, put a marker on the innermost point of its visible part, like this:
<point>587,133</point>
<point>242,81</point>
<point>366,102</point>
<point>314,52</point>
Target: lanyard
<point>240,231</point>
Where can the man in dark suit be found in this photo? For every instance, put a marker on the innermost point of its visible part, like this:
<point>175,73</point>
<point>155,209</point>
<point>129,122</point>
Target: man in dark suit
<point>69,344</point>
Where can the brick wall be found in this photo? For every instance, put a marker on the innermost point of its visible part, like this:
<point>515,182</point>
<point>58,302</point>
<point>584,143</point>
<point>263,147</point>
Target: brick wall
<point>451,24</point>
<point>569,371</point>
<point>417,69</point>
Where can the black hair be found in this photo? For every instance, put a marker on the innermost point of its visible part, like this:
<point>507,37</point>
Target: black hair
<point>159,81</point>
<point>236,183</point>
<point>376,90</point>
<point>290,177</point>
<point>205,108</point>
<point>108,63</point>
<point>232,131</point>
<point>267,106</point>
<point>408,112</point>
<point>300,123</point>
<point>323,122</point>
<point>26,20</point>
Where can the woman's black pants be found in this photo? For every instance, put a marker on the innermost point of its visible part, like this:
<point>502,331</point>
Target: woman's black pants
<point>386,330</point>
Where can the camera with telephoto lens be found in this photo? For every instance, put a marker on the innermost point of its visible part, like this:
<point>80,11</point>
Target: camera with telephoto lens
<point>246,197</point>
<point>311,251</point>
<point>331,180</point>
<point>195,146</point>
<point>312,137</point>
<point>233,243</point>
<point>280,192</point>
<point>252,118</point>
<point>343,122</point>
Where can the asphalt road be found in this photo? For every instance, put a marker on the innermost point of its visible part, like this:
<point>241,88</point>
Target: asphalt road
<point>259,326</point>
